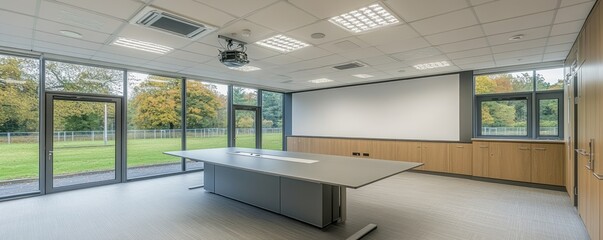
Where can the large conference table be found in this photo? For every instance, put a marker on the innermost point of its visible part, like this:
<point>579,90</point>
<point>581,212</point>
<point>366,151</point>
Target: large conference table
<point>308,187</point>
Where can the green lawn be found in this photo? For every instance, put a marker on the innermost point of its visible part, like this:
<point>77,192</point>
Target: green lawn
<point>19,161</point>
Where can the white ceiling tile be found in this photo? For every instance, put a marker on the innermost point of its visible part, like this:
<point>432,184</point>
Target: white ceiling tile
<point>464,45</point>
<point>519,61</point>
<point>558,48</point>
<point>518,54</point>
<point>22,6</point>
<point>15,41</point>
<point>191,9</point>
<point>528,34</point>
<point>575,12</point>
<point>412,10</point>
<point>16,31</point>
<point>404,45</point>
<point>565,28</point>
<point>419,53</point>
<point>16,20</point>
<point>67,41</point>
<point>123,52</point>
<point>63,49</point>
<point>362,53</point>
<point>519,23</point>
<point>394,66</point>
<point>388,35</point>
<point>519,45</point>
<point>55,28</point>
<point>472,60</point>
<point>567,38</point>
<point>175,61</point>
<point>257,32</point>
<point>331,32</point>
<point>125,10</point>
<point>189,56</point>
<point>470,53</point>
<point>555,56</point>
<point>326,9</point>
<point>456,35</point>
<point>79,18</point>
<point>282,17</point>
<point>117,58</point>
<point>478,2</point>
<point>282,59</point>
<point>437,58</point>
<point>237,7</point>
<point>499,10</point>
<point>73,52</point>
<point>565,3</point>
<point>378,60</point>
<point>257,52</point>
<point>308,53</point>
<point>477,66</point>
<point>346,44</point>
<point>321,62</point>
<point>445,22</point>
<point>200,48</point>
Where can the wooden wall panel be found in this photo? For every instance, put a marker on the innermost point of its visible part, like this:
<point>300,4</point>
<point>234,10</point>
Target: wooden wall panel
<point>460,158</point>
<point>547,164</point>
<point>510,161</point>
<point>435,156</point>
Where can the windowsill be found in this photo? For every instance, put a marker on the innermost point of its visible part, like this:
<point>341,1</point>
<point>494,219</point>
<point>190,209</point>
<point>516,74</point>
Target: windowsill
<point>518,140</point>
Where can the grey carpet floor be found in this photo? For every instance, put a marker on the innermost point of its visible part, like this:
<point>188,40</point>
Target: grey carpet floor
<point>406,206</point>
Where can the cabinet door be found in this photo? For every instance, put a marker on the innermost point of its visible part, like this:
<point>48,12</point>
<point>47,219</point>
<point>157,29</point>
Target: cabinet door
<point>583,174</point>
<point>435,156</point>
<point>481,155</point>
<point>592,211</point>
<point>510,161</point>
<point>547,164</point>
<point>382,149</point>
<point>461,161</point>
<point>292,144</point>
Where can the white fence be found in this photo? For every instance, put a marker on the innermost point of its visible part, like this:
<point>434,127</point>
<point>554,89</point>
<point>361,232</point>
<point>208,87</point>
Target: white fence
<point>517,131</point>
<point>32,137</point>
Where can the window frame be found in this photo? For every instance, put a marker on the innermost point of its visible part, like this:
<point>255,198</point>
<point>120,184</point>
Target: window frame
<point>546,95</point>
<point>479,99</point>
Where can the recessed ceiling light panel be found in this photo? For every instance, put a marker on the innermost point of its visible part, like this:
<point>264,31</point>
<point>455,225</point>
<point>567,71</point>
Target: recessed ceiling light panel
<point>71,34</point>
<point>425,66</point>
<point>321,80</point>
<point>142,45</point>
<point>282,43</point>
<point>364,19</point>
<point>363,75</point>
<point>246,68</point>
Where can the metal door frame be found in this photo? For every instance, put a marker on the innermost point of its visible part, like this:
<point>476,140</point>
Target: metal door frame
<point>49,138</point>
<point>258,123</point>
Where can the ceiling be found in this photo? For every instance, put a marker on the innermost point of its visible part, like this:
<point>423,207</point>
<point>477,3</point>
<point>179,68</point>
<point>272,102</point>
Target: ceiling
<point>470,34</point>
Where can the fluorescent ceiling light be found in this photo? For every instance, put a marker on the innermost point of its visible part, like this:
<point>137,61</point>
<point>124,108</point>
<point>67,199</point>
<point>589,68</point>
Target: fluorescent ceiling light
<point>141,45</point>
<point>364,19</point>
<point>246,68</point>
<point>282,43</point>
<point>363,75</point>
<point>71,34</point>
<point>321,80</point>
<point>425,66</point>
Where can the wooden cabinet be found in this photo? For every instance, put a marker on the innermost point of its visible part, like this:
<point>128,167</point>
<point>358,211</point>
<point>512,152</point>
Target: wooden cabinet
<point>481,155</point>
<point>510,161</point>
<point>547,164</point>
<point>460,158</point>
<point>592,208</point>
<point>434,156</point>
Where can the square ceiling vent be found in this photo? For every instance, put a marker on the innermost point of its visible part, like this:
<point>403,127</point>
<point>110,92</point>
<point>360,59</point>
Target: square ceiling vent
<point>171,23</point>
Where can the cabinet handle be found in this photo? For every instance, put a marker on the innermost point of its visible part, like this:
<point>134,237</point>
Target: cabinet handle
<point>460,146</point>
<point>524,148</point>
<point>483,146</point>
<point>542,149</point>
<point>598,176</point>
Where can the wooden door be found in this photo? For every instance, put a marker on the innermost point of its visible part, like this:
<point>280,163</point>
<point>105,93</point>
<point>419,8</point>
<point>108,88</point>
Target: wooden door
<point>435,156</point>
<point>460,159</point>
<point>592,208</point>
<point>481,155</point>
<point>547,164</point>
<point>510,161</point>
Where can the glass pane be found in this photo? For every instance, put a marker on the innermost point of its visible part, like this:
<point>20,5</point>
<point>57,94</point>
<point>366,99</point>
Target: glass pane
<point>154,124</point>
<point>549,117</point>
<point>67,77</point>
<point>206,118</point>
<point>244,96</point>
<point>245,128</point>
<point>550,79</point>
<point>83,142</point>
<point>504,82</point>
<point>504,118</point>
<point>19,130</point>
<point>272,120</point>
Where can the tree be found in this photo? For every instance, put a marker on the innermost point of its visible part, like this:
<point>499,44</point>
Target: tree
<point>156,103</point>
<point>272,109</point>
<point>204,105</point>
<point>18,94</point>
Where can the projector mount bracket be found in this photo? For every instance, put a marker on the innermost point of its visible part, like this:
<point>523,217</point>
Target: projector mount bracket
<point>230,43</point>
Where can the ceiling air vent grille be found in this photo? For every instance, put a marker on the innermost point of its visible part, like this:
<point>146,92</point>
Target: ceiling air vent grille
<point>349,66</point>
<point>170,23</point>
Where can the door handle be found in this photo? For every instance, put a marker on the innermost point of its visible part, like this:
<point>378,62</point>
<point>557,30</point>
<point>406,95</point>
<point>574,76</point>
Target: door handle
<point>591,158</point>
<point>50,153</point>
<point>541,149</point>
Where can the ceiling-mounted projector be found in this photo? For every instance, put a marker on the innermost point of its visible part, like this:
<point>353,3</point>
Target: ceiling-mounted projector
<point>233,54</point>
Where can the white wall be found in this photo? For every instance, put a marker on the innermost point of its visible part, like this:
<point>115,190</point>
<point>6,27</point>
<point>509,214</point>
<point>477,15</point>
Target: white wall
<point>423,108</point>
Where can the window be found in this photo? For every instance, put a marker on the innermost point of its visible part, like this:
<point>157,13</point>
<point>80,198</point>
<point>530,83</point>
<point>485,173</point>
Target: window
<point>244,96</point>
<point>154,124</point>
<point>19,131</point>
<point>272,120</point>
<point>504,103</point>
<point>68,77</point>
<point>206,117</point>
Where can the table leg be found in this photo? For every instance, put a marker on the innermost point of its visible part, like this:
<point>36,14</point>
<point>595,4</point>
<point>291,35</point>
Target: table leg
<point>342,204</point>
<point>195,187</point>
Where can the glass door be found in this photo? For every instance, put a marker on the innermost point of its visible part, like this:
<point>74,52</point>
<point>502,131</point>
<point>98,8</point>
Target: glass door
<point>83,141</point>
<point>246,134</point>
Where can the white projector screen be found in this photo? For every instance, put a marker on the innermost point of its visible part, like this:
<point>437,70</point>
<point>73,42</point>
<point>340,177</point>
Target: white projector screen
<point>419,109</point>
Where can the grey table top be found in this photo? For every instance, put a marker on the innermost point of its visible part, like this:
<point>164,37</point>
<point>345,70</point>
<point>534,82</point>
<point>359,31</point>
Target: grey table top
<point>349,172</point>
